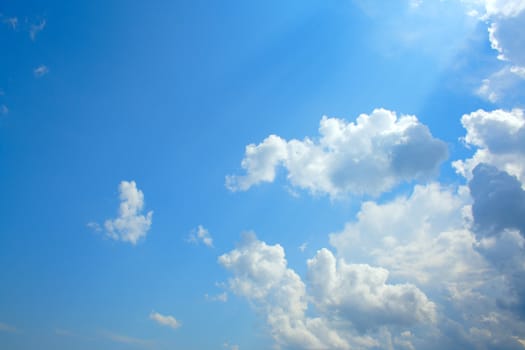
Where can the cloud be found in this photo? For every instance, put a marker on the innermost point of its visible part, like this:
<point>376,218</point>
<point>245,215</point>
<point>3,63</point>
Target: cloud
<point>346,296</point>
<point>432,238</point>
<point>130,226</point>
<point>499,137</point>
<point>201,235</point>
<point>303,246</point>
<point>503,84</point>
<point>4,327</point>
<point>503,8</point>
<point>499,200</point>
<point>223,297</point>
<point>40,71</point>
<point>499,222</point>
<point>369,156</point>
<point>10,21</point>
<point>124,339</point>
<point>505,21</point>
<point>4,110</point>
<point>433,219</point>
<point>168,321</point>
<point>34,29</point>
<point>229,346</point>
<point>359,293</point>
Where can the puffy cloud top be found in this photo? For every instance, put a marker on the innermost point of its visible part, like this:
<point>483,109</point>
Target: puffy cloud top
<point>500,140</point>
<point>369,156</point>
<point>130,225</point>
<point>360,293</point>
<point>351,300</point>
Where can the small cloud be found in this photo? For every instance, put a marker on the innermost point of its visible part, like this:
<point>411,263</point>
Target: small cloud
<point>10,21</point>
<point>201,235</point>
<point>223,297</point>
<point>124,339</point>
<point>229,346</point>
<point>4,327</point>
<point>94,226</point>
<point>40,71</point>
<point>303,246</point>
<point>34,29</point>
<point>163,320</point>
<point>3,110</point>
<point>130,225</point>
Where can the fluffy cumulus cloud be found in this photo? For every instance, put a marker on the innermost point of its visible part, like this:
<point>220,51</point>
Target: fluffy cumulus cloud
<point>499,139</point>
<point>463,249</point>
<point>434,219</point>
<point>354,304</point>
<point>165,320</point>
<point>368,156</point>
<point>499,201</point>
<point>130,225</point>
<point>506,20</point>
<point>360,294</point>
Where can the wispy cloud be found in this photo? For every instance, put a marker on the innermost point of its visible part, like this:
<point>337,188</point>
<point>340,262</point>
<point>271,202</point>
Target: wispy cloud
<point>303,246</point>
<point>165,320</point>
<point>124,339</point>
<point>3,110</point>
<point>200,234</point>
<point>34,29</point>
<point>10,21</point>
<point>40,71</point>
<point>4,327</point>
<point>223,297</point>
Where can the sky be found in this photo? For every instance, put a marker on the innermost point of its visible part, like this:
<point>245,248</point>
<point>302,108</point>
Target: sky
<point>314,174</point>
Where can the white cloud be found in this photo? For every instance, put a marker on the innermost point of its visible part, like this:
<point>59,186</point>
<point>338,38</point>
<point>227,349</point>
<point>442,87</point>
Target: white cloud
<point>369,156</point>
<point>503,84</point>
<point>303,246</point>
<point>34,29</point>
<point>503,8</point>
<point>261,275</point>
<point>130,226</point>
<point>499,137</point>
<point>168,321</point>
<point>200,234</point>
<point>222,297</point>
<point>352,301</point>
<point>359,293</point>
<point>431,238</point>
<point>423,237</point>
<point>4,110</point>
<point>506,20</point>
<point>40,71</point>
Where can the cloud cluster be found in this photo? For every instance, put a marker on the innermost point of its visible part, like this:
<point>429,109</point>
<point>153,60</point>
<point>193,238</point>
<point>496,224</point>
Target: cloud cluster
<point>352,301</point>
<point>369,156</point>
<point>499,138</point>
<point>359,293</point>
<point>506,20</point>
<point>130,225</point>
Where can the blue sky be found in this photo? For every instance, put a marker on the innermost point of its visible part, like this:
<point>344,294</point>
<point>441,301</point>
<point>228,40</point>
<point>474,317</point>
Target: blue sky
<point>254,175</point>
